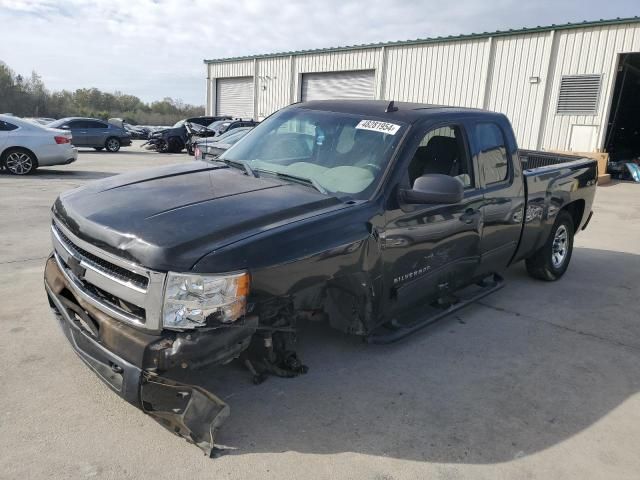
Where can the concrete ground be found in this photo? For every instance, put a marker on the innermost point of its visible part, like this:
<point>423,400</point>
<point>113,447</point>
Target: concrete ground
<point>540,380</point>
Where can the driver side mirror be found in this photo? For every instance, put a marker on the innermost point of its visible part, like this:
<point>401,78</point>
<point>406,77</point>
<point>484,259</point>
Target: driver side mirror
<point>434,188</point>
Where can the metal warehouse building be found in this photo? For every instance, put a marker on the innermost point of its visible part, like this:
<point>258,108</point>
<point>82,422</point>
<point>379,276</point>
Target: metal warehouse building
<point>572,87</point>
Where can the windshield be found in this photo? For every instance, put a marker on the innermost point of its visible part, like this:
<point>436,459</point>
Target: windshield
<point>343,153</point>
<point>178,123</point>
<point>57,123</point>
<point>216,126</point>
<point>232,135</point>
<point>227,134</point>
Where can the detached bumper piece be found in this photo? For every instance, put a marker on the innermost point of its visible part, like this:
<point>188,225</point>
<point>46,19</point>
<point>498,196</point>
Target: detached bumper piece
<point>186,410</point>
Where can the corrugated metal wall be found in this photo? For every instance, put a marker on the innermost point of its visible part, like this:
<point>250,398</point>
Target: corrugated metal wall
<point>516,59</point>
<point>580,51</point>
<point>516,74</point>
<point>449,73</point>
<point>274,85</point>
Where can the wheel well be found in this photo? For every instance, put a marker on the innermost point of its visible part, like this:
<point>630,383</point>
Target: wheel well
<point>576,210</point>
<point>4,153</point>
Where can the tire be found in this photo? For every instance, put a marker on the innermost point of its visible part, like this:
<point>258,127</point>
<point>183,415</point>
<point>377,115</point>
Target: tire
<point>162,146</point>
<point>552,260</point>
<point>112,144</point>
<point>175,145</point>
<point>98,149</point>
<point>18,161</point>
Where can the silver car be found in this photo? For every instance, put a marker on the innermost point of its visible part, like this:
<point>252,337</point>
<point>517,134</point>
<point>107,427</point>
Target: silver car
<point>91,132</point>
<point>25,146</point>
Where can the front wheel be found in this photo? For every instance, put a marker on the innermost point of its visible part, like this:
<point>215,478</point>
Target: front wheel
<point>112,145</point>
<point>552,260</point>
<point>20,162</point>
<point>175,145</point>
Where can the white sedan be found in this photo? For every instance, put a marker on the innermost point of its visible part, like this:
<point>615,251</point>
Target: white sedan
<point>25,146</point>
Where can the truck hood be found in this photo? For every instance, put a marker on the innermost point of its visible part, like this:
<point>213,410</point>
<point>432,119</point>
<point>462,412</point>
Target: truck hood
<point>168,218</point>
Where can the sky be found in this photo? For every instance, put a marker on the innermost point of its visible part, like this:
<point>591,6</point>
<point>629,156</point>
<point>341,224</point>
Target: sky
<point>155,48</point>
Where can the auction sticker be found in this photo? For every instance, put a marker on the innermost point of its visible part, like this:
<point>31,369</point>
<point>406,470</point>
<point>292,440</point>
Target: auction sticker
<point>376,126</point>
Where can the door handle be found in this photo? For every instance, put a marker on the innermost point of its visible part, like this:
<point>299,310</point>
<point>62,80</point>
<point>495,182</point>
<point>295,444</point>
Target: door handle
<point>469,215</point>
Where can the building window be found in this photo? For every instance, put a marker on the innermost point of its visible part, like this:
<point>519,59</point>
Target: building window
<point>579,94</point>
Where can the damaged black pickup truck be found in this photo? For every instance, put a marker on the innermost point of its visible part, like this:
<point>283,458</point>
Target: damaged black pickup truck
<point>376,217</point>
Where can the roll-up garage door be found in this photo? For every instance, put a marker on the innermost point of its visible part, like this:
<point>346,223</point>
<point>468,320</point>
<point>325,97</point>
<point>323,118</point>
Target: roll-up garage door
<point>338,85</point>
<point>234,96</point>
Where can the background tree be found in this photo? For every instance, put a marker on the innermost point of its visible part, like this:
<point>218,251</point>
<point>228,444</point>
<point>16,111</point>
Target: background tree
<point>30,98</point>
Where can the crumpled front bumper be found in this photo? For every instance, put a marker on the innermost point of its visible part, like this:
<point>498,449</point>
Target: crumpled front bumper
<point>186,410</point>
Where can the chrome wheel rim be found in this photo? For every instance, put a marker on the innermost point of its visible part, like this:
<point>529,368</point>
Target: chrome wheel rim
<point>19,163</point>
<point>560,246</point>
<point>112,144</point>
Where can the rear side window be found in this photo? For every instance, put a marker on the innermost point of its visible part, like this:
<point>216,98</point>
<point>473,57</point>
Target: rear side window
<point>492,153</point>
<point>6,126</point>
<point>95,124</point>
<point>77,124</point>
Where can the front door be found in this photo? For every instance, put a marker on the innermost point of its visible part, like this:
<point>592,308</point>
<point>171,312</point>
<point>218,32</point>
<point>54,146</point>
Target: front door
<point>79,132</point>
<point>430,250</point>
<point>503,208</point>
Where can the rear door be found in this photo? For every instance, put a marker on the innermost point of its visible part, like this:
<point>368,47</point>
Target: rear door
<point>5,128</point>
<point>503,193</point>
<point>432,249</point>
<point>97,133</point>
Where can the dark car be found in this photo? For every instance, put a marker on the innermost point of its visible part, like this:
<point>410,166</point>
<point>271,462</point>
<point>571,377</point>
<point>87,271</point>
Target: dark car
<point>92,132</point>
<point>223,126</point>
<point>206,148</point>
<point>174,139</point>
<point>378,218</point>
<point>137,132</point>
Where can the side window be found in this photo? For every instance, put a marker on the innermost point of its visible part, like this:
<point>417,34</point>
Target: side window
<point>95,124</point>
<point>492,153</point>
<point>6,126</point>
<point>77,124</point>
<point>442,151</point>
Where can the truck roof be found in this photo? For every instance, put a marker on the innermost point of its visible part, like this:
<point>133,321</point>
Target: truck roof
<point>407,112</point>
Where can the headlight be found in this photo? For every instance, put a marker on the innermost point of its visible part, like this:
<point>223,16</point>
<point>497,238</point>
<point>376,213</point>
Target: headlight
<point>192,300</point>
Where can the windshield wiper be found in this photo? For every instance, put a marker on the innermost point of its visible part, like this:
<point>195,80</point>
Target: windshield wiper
<point>307,181</point>
<point>239,164</point>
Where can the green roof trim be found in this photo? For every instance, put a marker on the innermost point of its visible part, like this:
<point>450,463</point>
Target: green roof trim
<point>450,38</point>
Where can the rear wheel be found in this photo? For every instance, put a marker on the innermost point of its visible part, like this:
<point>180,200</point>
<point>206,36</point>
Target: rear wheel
<point>175,145</point>
<point>112,144</point>
<point>19,162</point>
<point>552,260</point>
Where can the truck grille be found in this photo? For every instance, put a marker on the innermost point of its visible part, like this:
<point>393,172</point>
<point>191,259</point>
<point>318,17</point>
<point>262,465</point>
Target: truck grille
<point>114,270</point>
<point>119,288</point>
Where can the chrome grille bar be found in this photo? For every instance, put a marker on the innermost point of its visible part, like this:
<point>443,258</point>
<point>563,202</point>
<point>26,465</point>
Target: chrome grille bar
<point>124,282</point>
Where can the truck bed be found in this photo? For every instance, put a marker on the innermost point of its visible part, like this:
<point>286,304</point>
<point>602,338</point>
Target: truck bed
<point>532,159</point>
<point>553,182</point>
